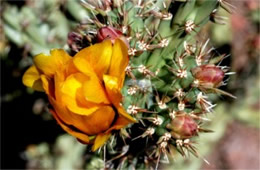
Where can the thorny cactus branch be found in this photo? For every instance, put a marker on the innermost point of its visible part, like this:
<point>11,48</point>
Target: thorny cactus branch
<point>168,78</point>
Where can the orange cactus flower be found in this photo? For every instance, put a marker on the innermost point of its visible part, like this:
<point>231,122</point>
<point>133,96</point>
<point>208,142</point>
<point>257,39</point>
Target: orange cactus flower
<point>84,90</point>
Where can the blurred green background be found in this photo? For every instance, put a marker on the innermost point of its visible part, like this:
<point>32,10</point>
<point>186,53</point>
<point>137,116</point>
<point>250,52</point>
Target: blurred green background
<point>31,139</point>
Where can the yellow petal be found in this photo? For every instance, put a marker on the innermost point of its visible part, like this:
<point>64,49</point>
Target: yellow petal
<point>120,123</point>
<point>70,68</point>
<point>72,95</point>
<point>99,121</point>
<point>119,61</point>
<point>94,91</point>
<point>59,78</point>
<point>122,112</point>
<point>31,78</point>
<point>97,57</point>
<point>48,85</point>
<point>112,88</point>
<point>48,64</point>
<point>100,141</point>
<point>102,138</point>
<point>114,94</point>
<point>76,133</point>
<point>69,118</point>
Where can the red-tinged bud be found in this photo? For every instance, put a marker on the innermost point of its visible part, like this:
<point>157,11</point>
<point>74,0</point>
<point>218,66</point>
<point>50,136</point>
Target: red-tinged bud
<point>110,33</point>
<point>183,126</point>
<point>209,76</point>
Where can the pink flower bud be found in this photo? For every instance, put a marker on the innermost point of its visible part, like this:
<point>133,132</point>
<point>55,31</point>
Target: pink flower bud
<point>183,126</point>
<point>110,33</point>
<point>209,76</point>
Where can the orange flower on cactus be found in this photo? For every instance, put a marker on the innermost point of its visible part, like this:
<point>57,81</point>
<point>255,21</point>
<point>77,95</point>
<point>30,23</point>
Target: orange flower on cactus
<point>84,90</point>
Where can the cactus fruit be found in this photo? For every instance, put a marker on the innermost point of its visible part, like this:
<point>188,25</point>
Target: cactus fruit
<point>208,76</point>
<point>183,126</point>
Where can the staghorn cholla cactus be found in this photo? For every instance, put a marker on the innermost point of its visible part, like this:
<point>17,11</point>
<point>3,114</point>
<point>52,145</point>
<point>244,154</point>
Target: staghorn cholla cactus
<point>168,77</point>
